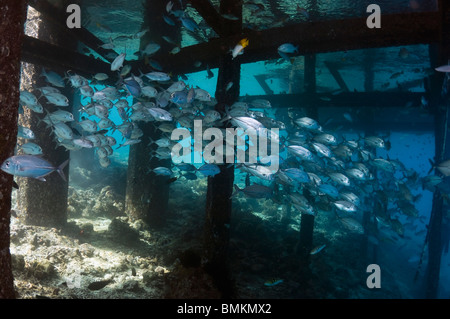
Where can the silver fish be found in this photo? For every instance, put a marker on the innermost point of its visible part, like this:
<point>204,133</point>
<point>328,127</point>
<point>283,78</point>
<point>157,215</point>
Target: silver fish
<point>63,131</point>
<point>25,132</point>
<point>31,149</point>
<point>28,98</point>
<point>53,78</point>
<point>308,123</point>
<point>301,152</point>
<point>374,141</point>
<point>160,114</point>
<point>83,142</point>
<point>345,206</point>
<point>118,62</point>
<point>57,99</point>
<point>31,166</point>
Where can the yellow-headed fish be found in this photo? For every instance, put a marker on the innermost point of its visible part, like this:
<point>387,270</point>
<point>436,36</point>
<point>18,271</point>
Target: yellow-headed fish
<point>239,48</point>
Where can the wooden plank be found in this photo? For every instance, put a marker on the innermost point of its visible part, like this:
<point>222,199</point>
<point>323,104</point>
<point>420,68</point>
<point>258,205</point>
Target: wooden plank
<point>306,220</point>
<point>56,16</point>
<point>59,58</point>
<point>261,78</point>
<point>332,67</point>
<point>344,99</point>
<point>312,37</point>
<point>211,16</point>
<point>441,106</point>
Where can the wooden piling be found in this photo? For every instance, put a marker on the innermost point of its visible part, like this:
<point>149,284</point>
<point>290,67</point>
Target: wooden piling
<point>307,221</point>
<point>440,105</point>
<point>147,194</point>
<point>12,18</point>
<point>220,187</point>
<point>44,203</point>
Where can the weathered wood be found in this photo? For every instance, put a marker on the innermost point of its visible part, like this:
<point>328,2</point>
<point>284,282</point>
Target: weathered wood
<point>313,37</point>
<point>147,194</point>
<point>442,145</point>
<point>307,221</point>
<point>220,187</point>
<point>45,203</point>
<point>217,22</point>
<point>262,82</point>
<point>336,75</point>
<point>61,59</point>
<point>57,16</point>
<point>374,99</point>
<point>12,18</point>
<point>368,218</point>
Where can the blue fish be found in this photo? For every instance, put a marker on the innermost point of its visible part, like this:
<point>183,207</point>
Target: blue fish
<point>288,48</point>
<point>297,175</point>
<point>155,64</point>
<point>31,166</point>
<point>317,249</point>
<point>122,113</point>
<point>133,87</point>
<point>186,167</point>
<point>179,97</point>
<point>189,23</point>
<point>168,20</point>
<point>330,190</point>
<point>273,282</point>
<point>209,169</point>
<point>163,171</point>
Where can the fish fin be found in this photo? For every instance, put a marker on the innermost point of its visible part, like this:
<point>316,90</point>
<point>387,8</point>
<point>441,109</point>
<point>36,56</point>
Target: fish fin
<point>15,185</point>
<point>171,180</point>
<point>433,166</point>
<point>43,73</point>
<point>41,178</point>
<point>61,168</point>
<point>236,191</point>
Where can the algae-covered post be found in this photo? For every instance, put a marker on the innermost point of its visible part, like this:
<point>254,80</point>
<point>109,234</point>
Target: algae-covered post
<point>369,220</point>
<point>307,220</point>
<point>12,18</point>
<point>220,187</point>
<point>147,194</point>
<point>44,203</point>
<point>440,103</point>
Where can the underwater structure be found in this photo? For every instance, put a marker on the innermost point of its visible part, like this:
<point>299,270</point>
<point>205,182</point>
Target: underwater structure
<point>318,78</point>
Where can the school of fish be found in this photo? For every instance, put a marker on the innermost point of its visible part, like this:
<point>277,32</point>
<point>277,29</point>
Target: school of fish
<point>319,170</point>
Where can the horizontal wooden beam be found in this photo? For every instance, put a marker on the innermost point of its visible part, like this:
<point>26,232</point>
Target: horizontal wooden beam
<point>211,16</point>
<point>311,37</point>
<point>332,67</point>
<point>52,14</point>
<point>344,99</point>
<point>57,58</point>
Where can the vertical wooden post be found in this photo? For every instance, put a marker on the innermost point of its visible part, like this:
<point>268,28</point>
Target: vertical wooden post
<point>45,203</point>
<point>307,221</point>
<point>12,18</point>
<point>147,194</point>
<point>367,118</point>
<point>220,187</point>
<point>442,144</point>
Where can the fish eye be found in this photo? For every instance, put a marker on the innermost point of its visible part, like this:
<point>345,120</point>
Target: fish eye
<point>7,164</point>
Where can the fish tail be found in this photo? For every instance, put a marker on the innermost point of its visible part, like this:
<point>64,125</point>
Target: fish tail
<point>43,73</point>
<point>433,166</point>
<point>61,168</point>
<point>236,191</point>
